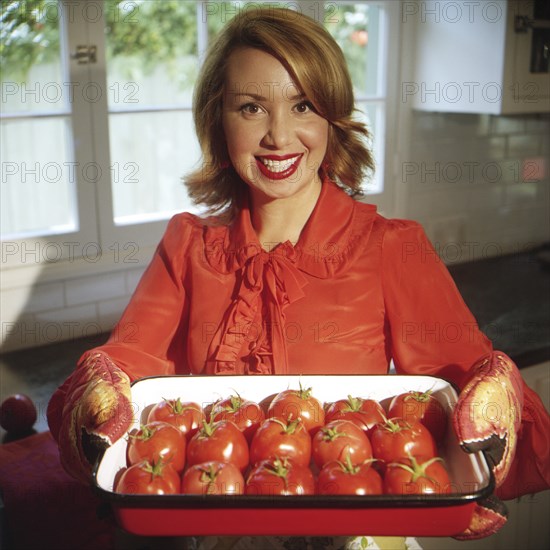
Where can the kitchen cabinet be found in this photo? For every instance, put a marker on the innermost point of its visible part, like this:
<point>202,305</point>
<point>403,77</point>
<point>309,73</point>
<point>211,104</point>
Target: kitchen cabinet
<point>479,56</point>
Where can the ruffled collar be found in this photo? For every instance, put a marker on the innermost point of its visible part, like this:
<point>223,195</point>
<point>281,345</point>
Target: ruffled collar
<point>328,244</point>
<point>250,338</point>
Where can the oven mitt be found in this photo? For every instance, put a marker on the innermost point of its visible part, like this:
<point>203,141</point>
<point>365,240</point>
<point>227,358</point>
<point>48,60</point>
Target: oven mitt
<point>487,418</point>
<point>89,412</point>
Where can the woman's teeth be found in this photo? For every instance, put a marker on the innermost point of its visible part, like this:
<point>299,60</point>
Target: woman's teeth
<point>278,165</point>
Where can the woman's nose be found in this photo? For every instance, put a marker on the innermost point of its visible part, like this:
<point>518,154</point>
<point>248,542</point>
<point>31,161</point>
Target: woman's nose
<point>278,132</point>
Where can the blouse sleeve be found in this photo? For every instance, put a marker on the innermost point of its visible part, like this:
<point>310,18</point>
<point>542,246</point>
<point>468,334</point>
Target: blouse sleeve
<point>140,343</point>
<point>430,330</point>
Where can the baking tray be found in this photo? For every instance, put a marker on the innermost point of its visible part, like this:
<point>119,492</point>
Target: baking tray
<point>321,515</point>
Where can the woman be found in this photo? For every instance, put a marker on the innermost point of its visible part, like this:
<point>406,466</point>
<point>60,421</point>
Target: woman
<point>290,274</point>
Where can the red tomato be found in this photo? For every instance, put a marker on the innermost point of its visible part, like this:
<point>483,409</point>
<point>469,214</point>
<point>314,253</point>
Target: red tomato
<point>337,439</point>
<point>152,478</point>
<point>186,416</point>
<point>366,413</point>
<point>213,478</point>
<point>396,439</point>
<point>221,441</point>
<point>344,478</point>
<point>280,477</point>
<point>422,407</point>
<point>292,404</point>
<point>17,414</point>
<point>247,415</point>
<point>417,476</point>
<point>283,439</point>
<point>156,441</point>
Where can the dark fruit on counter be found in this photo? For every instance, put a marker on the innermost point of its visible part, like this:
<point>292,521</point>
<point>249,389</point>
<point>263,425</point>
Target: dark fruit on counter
<point>17,414</point>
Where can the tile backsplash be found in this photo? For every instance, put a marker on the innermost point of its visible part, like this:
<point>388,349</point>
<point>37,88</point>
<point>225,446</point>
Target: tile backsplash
<point>479,183</point>
<point>50,312</point>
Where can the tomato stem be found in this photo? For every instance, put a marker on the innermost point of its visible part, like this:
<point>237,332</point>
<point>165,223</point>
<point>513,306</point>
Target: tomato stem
<point>145,432</point>
<point>418,470</point>
<point>304,393</point>
<point>395,427</point>
<point>208,427</point>
<point>154,468</point>
<point>421,397</point>
<point>332,433</point>
<point>354,404</point>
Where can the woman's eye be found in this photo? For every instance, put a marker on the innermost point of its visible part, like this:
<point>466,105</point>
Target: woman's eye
<point>250,108</point>
<point>304,107</point>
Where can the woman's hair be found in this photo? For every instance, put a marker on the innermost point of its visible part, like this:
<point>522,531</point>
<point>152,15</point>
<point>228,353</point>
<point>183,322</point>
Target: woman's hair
<point>318,67</point>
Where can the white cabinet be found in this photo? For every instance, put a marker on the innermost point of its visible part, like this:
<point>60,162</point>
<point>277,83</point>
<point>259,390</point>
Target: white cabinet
<point>469,58</point>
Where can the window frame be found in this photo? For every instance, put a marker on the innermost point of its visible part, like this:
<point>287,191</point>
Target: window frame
<point>100,245</point>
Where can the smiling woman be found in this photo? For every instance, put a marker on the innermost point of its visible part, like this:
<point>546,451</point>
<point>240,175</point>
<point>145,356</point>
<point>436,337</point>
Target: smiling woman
<point>283,67</point>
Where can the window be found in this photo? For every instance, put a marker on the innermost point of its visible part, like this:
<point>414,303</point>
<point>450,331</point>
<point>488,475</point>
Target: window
<point>360,29</point>
<point>96,114</point>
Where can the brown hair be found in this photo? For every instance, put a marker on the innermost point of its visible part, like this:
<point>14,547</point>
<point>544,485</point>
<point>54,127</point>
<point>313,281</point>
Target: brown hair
<point>317,66</point>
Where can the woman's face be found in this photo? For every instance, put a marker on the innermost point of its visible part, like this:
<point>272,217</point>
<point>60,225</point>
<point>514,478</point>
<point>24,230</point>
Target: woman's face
<point>275,140</point>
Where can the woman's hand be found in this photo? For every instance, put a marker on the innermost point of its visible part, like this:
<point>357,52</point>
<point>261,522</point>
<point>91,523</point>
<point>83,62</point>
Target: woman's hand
<point>487,418</point>
<point>89,413</point>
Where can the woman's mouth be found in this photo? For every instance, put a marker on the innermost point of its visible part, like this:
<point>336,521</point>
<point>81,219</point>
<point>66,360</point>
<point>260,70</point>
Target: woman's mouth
<point>278,167</point>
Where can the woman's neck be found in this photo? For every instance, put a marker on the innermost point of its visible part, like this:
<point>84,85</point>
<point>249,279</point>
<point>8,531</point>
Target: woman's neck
<point>280,220</point>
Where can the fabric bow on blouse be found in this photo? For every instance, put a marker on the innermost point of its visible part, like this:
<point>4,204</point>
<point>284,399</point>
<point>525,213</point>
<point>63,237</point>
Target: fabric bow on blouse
<point>253,328</point>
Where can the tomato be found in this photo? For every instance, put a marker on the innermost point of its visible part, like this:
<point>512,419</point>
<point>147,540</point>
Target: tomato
<point>154,441</point>
<point>213,478</point>
<point>422,407</point>
<point>292,404</point>
<point>152,478</point>
<point>247,415</point>
<point>345,478</point>
<point>283,439</point>
<point>337,439</point>
<point>397,438</point>
<point>417,476</point>
<point>17,414</point>
<point>280,477</point>
<point>221,441</point>
<point>186,416</point>
<point>366,413</point>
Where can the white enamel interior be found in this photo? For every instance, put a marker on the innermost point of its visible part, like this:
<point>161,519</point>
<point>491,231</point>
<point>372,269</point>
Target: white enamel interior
<point>469,472</point>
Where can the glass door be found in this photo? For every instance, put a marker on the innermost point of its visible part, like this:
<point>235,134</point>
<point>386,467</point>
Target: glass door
<point>45,178</point>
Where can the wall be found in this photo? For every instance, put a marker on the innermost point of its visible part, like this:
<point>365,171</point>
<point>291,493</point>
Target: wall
<point>478,183</point>
<point>49,311</point>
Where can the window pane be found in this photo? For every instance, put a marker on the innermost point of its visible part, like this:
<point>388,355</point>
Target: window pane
<point>373,115</point>
<point>32,75</point>
<point>38,177</point>
<point>356,29</point>
<point>152,65</point>
<point>151,152</point>
<point>151,50</point>
<point>39,174</point>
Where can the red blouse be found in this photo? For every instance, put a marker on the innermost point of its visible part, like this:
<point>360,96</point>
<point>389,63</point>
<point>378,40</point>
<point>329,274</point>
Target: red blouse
<point>356,291</point>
